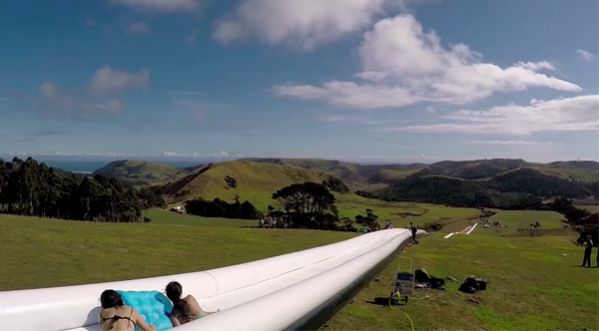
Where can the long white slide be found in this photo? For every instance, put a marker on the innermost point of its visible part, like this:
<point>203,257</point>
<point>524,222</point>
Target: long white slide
<point>281,292</point>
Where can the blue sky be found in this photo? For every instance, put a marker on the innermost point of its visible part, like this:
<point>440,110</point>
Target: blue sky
<point>358,80</point>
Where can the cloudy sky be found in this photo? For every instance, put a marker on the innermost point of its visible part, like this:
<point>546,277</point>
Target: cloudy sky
<point>361,80</point>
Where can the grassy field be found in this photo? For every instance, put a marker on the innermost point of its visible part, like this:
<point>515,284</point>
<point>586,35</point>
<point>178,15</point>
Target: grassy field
<point>402,213</point>
<point>534,284</point>
<point>518,222</point>
<point>97,252</point>
<point>44,253</point>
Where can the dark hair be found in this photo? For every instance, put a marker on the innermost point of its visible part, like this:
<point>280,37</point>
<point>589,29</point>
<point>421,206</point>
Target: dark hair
<point>110,299</point>
<point>173,292</point>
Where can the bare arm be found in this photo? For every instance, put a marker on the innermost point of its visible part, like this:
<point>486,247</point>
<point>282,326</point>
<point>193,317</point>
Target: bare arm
<point>175,321</point>
<point>141,322</point>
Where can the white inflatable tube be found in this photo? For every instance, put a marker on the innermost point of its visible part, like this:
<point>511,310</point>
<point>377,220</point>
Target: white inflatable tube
<point>276,293</point>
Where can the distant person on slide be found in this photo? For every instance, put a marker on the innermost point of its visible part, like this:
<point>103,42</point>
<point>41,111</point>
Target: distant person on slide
<point>116,316</point>
<point>186,309</point>
<point>414,230</point>
<point>588,247</point>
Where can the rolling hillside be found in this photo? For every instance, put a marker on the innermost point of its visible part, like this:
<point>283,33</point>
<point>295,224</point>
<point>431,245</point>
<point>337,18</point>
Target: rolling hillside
<point>521,188</point>
<point>246,180</point>
<point>506,183</point>
<point>584,171</point>
<point>141,172</point>
<point>377,176</point>
<point>356,176</point>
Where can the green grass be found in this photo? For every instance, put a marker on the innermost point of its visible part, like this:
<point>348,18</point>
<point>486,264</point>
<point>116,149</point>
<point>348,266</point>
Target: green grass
<point>534,284</point>
<point>518,222</point>
<point>256,182</point>
<point>43,253</point>
<point>402,213</point>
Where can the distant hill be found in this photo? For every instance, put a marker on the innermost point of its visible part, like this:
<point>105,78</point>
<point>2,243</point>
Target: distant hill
<point>493,182</point>
<point>584,171</point>
<point>520,188</point>
<point>356,176</point>
<point>243,179</point>
<point>141,172</point>
<point>476,169</point>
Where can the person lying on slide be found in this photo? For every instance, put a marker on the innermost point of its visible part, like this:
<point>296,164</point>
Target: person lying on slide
<point>185,309</point>
<point>115,316</point>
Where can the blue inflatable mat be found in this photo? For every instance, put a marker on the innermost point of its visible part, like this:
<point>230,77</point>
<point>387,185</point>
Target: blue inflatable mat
<point>153,306</point>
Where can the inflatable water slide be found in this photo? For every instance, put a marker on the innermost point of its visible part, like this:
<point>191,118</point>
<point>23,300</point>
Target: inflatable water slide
<point>300,290</point>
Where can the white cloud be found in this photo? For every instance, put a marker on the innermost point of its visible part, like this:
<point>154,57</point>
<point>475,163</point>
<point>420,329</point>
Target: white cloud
<point>79,104</point>
<point>402,64</point>
<point>351,94</point>
<point>111,106</point>
<point>138,28</point>
<point>579,113</point>
<point>536,66</point>
<point>514,142</point>
<point>160,6</point>
<point>65,103</point>
<point>301,24</point>
<point>585,55</point>
<point>52,93</point>
<point>107,80</point>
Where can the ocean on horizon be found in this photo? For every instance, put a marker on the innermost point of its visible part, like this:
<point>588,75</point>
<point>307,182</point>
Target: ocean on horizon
<point>89,166</point>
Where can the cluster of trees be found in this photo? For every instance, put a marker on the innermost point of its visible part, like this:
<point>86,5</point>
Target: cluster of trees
<point>220,208</point>
<point>306,205</point>
<point>312,206</point>
<point>32,189</point>
<point>151,196</point>
<point>336,185</point>
<point>582,220</point>
<point>370,221</point>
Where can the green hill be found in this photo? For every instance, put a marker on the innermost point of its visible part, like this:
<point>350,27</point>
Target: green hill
<point>141,172</point>
<point>356,176</point>
<point>584,171</point>
<point>245,180</point>
<point>521,188</point>
<point>475,169</point>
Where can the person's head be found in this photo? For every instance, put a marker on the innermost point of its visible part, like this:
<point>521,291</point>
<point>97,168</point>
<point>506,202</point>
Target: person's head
<point>173,291</point>
<point>110,299</point>
<point>588,237</point>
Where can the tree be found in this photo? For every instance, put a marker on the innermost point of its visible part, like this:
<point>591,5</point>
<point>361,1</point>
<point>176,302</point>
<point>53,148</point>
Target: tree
<point>29,188</point>
<point>220,208</point>
<point>370,220</point>
<point>308,205</point>
<point>580,219</point>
